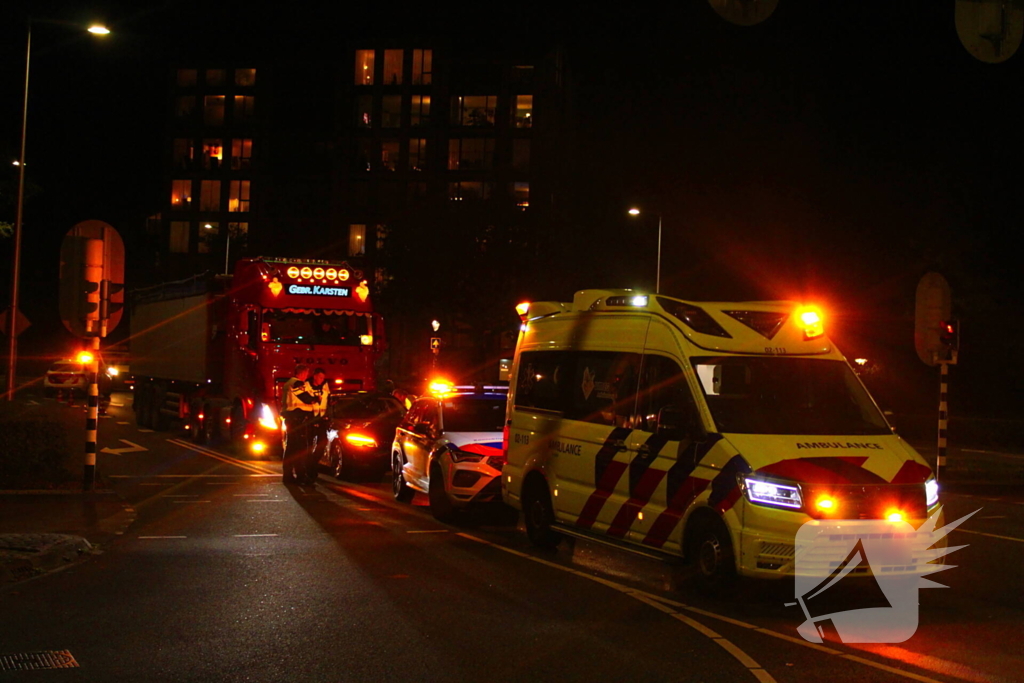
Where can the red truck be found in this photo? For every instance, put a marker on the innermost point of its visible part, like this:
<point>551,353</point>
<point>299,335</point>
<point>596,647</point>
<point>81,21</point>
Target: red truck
<point>214,350</point>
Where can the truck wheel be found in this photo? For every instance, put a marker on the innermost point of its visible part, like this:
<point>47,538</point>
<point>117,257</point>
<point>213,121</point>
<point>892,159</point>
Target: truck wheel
<point>157,420</point>
<point>710,549</point>
<point>440,504</point>
<point>401,490</point>
<point>140,403</point>
<point>540,516</point>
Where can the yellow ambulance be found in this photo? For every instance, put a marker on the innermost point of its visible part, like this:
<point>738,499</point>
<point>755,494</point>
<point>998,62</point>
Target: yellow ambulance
<point>710,431</point>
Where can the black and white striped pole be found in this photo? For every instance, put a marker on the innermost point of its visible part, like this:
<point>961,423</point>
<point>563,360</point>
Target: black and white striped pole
<point>940,460</point>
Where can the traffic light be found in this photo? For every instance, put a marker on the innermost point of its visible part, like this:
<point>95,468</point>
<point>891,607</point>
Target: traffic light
<point>949,334</point>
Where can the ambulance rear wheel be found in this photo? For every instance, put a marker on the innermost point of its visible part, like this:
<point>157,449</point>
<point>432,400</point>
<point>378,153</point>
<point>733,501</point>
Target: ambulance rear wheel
<point>712,553</point>
<point>540,517</point>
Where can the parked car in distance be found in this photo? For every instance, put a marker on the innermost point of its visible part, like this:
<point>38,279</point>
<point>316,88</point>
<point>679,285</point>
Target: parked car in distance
<point>66,375</point>
<point>360,431</point>
<point>449,446</point>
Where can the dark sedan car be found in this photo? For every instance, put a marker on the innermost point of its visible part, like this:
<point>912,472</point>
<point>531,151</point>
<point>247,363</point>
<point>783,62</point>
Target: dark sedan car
<point>360,431</point>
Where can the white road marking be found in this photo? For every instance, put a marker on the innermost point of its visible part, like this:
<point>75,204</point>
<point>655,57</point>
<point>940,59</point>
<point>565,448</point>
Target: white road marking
<point>266,500</point>
<point>132,448</point>
<point>220,456</point>
<point>1016,456</point>
<point>981,533</point>
<point>246,495</point>
<point>123,423</point>
<point>152,537</point>
<point>145,431</point>
<point>254,535</point>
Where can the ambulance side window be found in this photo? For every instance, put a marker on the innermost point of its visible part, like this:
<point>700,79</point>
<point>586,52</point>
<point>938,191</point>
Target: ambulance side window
<point>603,387</point>
<point>662,385</point>
<point>542,382</point>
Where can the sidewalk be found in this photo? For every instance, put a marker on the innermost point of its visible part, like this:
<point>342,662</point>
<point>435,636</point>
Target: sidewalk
<point>41,531</point>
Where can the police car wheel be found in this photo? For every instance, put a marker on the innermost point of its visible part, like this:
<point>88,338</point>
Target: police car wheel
<point>440,504</point>
<point>539,517</point>
<point>401,491</point>
<point>339,463</point>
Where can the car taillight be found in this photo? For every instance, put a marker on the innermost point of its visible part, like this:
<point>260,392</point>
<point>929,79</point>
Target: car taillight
<point>361,440</point>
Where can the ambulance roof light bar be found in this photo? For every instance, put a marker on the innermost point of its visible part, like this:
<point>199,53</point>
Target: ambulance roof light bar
<point>811,320</point>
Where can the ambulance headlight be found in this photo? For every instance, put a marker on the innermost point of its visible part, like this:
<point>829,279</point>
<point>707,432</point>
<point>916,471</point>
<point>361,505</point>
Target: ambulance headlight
<point>931,492</point>
<point>772,493</point>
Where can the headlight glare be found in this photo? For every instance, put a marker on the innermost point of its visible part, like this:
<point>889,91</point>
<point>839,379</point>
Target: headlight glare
<point>773,494</point>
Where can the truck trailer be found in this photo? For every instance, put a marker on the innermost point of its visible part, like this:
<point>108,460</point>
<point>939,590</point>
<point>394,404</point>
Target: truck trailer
<point>213,351</point>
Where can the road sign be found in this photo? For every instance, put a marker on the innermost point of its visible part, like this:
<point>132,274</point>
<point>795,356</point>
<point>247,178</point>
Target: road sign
<point>991,30</point>
<point>932,308</point>
<point>21,323</point>
<point>435,343</point>
<point>91,279</point>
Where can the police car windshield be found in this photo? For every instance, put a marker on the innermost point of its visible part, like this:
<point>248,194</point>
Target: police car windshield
<point>283,327</point>
<point>787,396</point>
<point>473,414</point>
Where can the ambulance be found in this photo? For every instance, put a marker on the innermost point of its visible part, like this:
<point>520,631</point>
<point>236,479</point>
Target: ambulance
<point>706,431</point>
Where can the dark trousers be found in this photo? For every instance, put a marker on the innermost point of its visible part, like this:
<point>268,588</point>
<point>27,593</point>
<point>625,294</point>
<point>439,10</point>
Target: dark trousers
<point>297,453</point>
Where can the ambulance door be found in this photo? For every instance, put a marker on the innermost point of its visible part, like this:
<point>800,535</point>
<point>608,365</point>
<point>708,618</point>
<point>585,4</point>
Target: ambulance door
<point>591,451</point>
<point>661,482</point>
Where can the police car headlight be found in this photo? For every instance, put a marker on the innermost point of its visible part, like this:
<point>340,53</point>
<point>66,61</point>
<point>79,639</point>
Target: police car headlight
<point>462,456</point>
<point>931,492</point>
<point>772,493</point>
<point>267,418</point>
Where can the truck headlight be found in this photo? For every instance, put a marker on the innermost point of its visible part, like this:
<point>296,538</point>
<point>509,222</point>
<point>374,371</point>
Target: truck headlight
<point>772,493</point>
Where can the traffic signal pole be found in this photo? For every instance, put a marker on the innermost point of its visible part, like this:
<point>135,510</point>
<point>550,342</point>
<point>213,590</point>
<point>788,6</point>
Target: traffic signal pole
<point>940,460</point>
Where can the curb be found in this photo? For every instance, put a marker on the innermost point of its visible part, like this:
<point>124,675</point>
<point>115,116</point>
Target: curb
<point>23,556</point>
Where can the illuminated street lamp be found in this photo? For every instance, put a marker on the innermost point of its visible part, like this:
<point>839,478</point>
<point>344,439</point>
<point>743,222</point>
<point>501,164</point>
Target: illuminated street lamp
<point>657,277</point>
<point>12,340</point>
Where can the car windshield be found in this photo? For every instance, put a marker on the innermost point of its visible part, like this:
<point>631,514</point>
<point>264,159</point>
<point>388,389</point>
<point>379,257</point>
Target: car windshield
<point>358,407</point>
<point>472,414</point>
<point>66,367</point>
<point>283,327</point>
<point>787,396</point>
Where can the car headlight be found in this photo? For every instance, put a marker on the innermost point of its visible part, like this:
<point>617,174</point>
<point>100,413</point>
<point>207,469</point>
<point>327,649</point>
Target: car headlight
<point>112,371</point>
<point>267,418</point>
<point>931,492</point>
<point>772,493</point>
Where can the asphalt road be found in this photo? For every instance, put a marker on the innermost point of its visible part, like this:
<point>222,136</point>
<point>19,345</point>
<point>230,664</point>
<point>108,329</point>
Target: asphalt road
<point>227,575</point>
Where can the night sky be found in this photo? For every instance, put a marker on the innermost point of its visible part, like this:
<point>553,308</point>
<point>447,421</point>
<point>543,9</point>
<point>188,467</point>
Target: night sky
<point>835,153</point>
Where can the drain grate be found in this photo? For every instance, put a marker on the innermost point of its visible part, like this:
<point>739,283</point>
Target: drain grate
<point>28,661</point>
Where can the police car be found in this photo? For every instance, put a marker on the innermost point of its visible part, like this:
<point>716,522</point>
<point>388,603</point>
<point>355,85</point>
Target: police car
<point>449,446</point>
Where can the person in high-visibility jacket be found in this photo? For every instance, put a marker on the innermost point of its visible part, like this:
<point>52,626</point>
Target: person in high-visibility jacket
<point>320,390</point>
<point>298,411</point>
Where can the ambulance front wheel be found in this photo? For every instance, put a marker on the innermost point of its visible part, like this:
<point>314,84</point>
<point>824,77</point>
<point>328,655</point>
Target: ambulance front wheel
<point>540,516</point>
<point>712,553</point>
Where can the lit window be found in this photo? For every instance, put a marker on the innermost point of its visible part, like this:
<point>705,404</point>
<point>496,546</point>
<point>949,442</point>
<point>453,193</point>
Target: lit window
<point>473,110</point>
<point>213,110</point>
<point>389,155</point>
<point>470,154</point>
<point>184,106</point>
<point>183,153</point>
<point>469,190</point>
<point>521,194</point>
<point>420,110</point>
<point>392,67</point>
<point>179,237</point>
<point>181,194</point>
<point>422,66</point>
<point>208,236</point>
<point>356,239</point>
<point>241,153</point>
<point>215,77</point>
<point>244,107</point>
<point>417,154</point>
<point>213,153</point>
<point>209,198</point>
<point>391,111</point>
<point>521,155</point>
<point>364,111</point>
<point>364,67</point>
<point>523,113</point>
<point>238,197</point>
<point>186,78</point>
<point>245,78</point>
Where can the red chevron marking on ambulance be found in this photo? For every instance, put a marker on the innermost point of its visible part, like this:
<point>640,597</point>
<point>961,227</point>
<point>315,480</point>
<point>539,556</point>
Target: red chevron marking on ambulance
<point>604,489</point>
<point>641,495</point>
<point>667,520</point>
<point>912,472</point>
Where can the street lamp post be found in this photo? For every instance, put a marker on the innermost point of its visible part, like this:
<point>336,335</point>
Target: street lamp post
<point>657,277</point>
<point>12,339</point>
<point>227,249</point>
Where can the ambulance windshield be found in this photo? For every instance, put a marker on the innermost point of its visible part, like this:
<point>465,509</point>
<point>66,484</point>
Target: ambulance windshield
<point>286,327</point>
<point>787,396</point>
